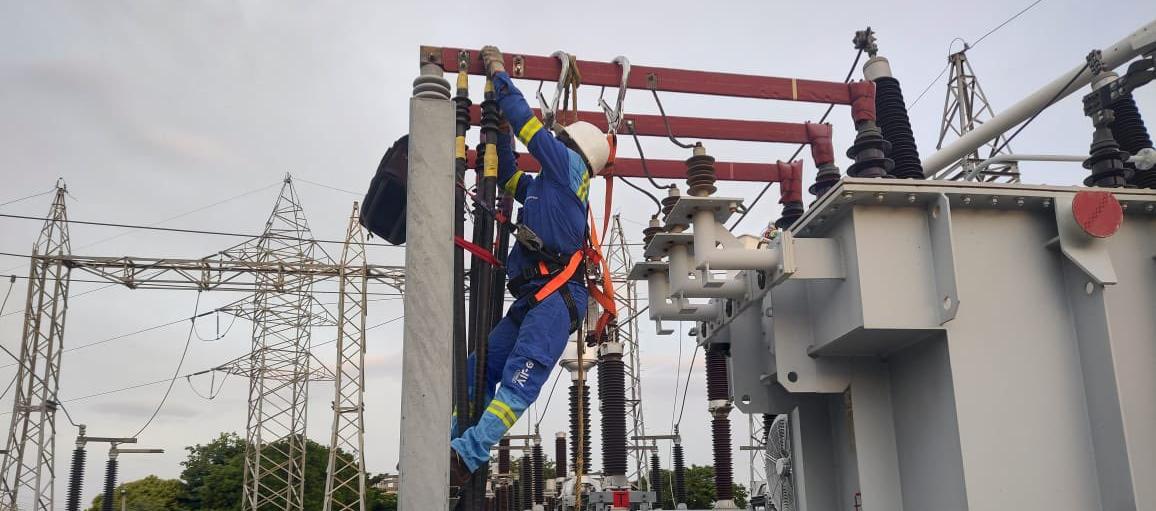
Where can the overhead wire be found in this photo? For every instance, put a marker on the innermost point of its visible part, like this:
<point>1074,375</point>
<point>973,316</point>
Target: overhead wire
<point>666,122</point>
<point>14,201</point>
<point>177,372</point>
<point>334,188</point>
<point>1007,140</point>
<point>822,119</point>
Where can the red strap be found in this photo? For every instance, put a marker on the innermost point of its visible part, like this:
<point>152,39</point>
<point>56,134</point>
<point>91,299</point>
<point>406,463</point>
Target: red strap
<point>560,279</point>
<point>477,251</point>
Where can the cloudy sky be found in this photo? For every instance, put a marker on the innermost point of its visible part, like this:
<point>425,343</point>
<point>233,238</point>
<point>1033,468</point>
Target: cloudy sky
<point>188,115</point>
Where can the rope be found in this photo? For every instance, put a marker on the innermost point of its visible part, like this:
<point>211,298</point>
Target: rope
<point>579,462</point>
<point>570,84</point>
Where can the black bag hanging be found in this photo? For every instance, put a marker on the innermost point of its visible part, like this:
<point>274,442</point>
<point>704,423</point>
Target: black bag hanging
<point>383,210</point>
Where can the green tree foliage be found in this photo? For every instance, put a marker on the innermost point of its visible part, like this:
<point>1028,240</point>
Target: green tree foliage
<point>149,494</point>
<point>699,489</point>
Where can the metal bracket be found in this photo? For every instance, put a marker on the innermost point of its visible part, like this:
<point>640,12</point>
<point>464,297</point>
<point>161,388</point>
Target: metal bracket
<point>943,257</point>
<point>823,259</point>
<point>1089,254</point>
<point>519,66</point>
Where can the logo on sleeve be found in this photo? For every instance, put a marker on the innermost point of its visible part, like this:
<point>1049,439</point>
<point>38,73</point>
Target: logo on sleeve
<point>521,376</point>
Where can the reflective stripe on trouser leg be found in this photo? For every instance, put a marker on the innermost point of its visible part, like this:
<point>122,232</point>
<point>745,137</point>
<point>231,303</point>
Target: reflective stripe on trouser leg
<point>541,339</point>
<point>502,339</point>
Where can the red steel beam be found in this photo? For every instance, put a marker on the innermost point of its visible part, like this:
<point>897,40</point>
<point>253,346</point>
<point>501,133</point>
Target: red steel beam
<point>694,127</point>
<point>673,169</point>
<point>608,74</point>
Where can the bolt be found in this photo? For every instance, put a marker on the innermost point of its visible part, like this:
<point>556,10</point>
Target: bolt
<point>1047,203</point>
<point>966,200</point>
<point>1149,208</point>
<point>1124,206</point>
<point>911,198</point>
<point>848,195</point>
<point>994,200</point>
<point>1020,202</point>
<point>879,196</point>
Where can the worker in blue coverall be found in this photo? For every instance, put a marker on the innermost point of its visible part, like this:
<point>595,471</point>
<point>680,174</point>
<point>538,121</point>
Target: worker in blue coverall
<point>524,346</point>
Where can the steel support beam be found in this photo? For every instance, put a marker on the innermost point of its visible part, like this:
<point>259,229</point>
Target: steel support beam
<point>427,353</point>
<point>609,74</point>
<point>676,169</point>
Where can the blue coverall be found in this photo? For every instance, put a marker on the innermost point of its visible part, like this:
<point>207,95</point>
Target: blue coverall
<point>527,342</point>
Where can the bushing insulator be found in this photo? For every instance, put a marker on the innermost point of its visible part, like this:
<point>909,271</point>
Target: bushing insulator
<point>869,152</point>
<point>109,485</point>
<point>560,455</point>
<point>504,456</point>
<point>896,126</point>
<point>539,474</point>
<point>76,479</point>
<point>792,211</point>
<point>526,479</point>
<point>720,428</point>
<point>580,427</point>
<point>700,174</point>
<point>462,114</point>
<point>1130,132</point>
<point>1106,161</point>
<point>612,397</point>
<point>679,475</point>
<point>717,386</point>
<point>656,476</point>
<point>826,178</point>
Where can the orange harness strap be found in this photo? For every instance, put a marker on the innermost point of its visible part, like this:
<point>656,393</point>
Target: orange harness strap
<point>560,279</point>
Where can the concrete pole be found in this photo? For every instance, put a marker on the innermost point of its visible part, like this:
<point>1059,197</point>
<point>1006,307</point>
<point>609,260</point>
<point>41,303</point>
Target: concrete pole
<point>1137,43</point>
<point>427,356</point>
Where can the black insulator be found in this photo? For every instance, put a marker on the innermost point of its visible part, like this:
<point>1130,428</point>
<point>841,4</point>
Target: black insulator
<point>656,476</point>
<point>109,485</point>
<point>539,474</point>
<point>870,153</point>
<point>720,428</point>
<point>1129,131</point>
<point>792,211</point>
<point>516,496</point>
<point>560,456</point>
<point>1106,161</point>
<point>896,126</point>
<point>649,232</point>
<point>717,386</point>
<point>612,397</point>
<point>826,178</point>
<point>700,175</point>
<point>490,117</point>
<point>525,479</point>
<point>679,475</point>
<point>504,456</point>
<point>500,503</point>
<point>667,205</point>
<point>76,479</point>
<point>462,114</point>
<point>579,432</point>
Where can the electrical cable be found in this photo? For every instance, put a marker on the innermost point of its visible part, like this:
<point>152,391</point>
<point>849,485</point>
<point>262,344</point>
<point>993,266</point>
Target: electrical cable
<point>822,119</point>
<point>1007,140</point>
<point>665,121</point>
<point>177,372</point>
<point>119,284</point>
<point>212,382</point>
<point>219,334</point>
<point>689,372</point>
<point>334,188</point>
<point>642,158</point>
<point>14,201</point>
<point>549,398</point>
<point>1009,20</point>
<point>677,375</point>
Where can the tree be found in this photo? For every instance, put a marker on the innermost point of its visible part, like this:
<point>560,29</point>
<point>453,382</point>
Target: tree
<point>700,492</point>
<point>149,494</point>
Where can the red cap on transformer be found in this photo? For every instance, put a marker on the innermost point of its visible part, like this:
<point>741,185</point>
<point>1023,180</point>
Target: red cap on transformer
<point>1097,212</point>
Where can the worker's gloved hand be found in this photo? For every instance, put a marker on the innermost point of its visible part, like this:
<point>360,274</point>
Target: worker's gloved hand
<point>492,58</point>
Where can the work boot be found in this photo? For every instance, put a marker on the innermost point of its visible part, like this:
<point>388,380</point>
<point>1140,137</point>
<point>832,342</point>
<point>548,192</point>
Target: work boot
<point>459,472</point>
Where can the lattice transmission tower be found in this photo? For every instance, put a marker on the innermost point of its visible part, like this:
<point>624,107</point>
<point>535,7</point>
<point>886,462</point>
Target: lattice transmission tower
<point>27,471</point>
<point>345,476</point>
<point>625,295</point>
<point>964,108</point>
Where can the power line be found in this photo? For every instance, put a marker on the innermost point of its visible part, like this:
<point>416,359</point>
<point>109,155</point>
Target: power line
<point>177,372</point>
<point>822,119</point>
<point>188,231</point>
<point>14,201</point>
<point>1009,20</point>
<point>334,188</point>
<point>87,281</point>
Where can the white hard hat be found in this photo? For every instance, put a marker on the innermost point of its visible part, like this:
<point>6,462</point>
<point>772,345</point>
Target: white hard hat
<point>591,141</point>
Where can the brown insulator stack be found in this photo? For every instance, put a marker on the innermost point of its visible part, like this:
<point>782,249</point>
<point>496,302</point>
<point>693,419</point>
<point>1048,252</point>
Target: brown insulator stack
<point>718,392</point>
<point>560,455</point>
<point>539,474</point>
<point>700,173</point>
<point>504,456</point>
<point>612,397</point>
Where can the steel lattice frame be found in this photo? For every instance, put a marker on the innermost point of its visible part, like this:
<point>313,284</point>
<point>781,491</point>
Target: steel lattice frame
<point>345,476</point>
<point>279,360</point>
<point>27,470</point>
<point>964,108</point>
<point>625,294</point>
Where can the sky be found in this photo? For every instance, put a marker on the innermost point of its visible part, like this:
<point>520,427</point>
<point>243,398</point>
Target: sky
<point>189,114</point>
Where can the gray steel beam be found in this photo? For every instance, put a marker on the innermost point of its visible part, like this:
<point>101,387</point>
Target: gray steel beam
<point>1114,56</point>
<point>427,356</point>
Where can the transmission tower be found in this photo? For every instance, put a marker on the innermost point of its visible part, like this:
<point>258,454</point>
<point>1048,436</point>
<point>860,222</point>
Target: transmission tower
<point>345,477</point>
<point>620,262</point>
<point>27,472</point>
<point>279,360</point>
<point>964,108</point>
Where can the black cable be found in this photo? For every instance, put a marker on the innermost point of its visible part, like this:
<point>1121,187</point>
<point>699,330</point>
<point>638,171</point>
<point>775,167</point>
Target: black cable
<point>177,372</point>
<point>642,158</point>
<point>689,371</point>
<point>669,132</point>
<point>822,119</point>
<point>548,399</point>
<point>14,201</point>
<point>1059,93</point>
<point>1009,20</point>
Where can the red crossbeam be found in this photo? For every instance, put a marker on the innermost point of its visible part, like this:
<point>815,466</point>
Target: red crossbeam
<point>673,169</point>
<point>694,127</point>
<point>608,74</point>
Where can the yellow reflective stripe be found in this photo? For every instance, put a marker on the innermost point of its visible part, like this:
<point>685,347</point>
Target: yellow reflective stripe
<point>490,161</point>
<point>584,188</point>
<point>460,147</point>
<point>529,130</point>
<point>511,186</point>
<point>503,412</point>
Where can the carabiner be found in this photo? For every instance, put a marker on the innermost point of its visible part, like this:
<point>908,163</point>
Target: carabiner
<point>614,117</point>
<point>550,111</point>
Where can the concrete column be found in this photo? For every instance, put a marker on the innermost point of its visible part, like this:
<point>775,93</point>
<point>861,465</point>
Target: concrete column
<point>427,352</point>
